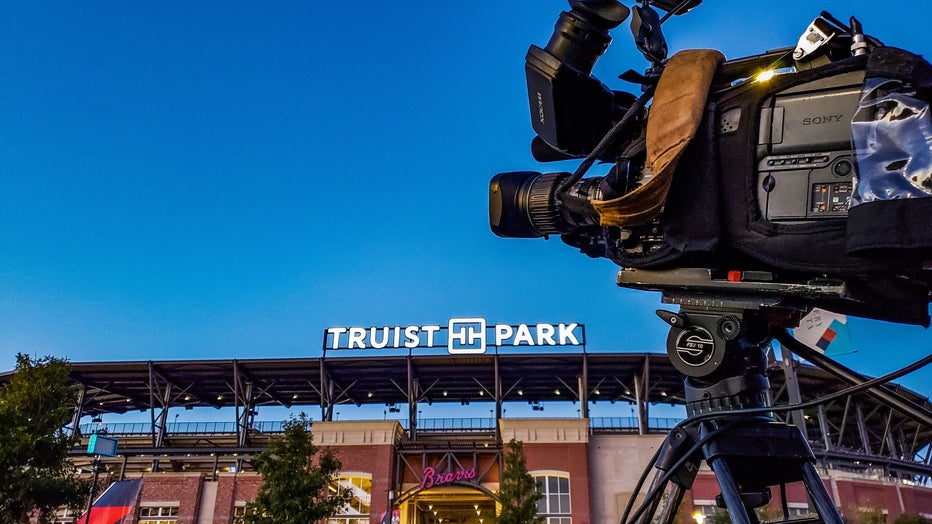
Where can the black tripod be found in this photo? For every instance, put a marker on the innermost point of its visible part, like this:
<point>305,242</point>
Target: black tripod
<point>721,351</point>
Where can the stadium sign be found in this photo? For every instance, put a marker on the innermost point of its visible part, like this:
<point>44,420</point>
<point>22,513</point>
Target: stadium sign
<point>461,336</point>
<point>430,478</point>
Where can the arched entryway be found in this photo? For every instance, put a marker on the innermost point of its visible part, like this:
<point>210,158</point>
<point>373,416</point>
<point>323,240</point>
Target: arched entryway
<point>449,504</point>
<point>452,483</point>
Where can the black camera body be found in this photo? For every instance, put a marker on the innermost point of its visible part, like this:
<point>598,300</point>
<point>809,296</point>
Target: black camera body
<point>806,161</point>
<point>769,185</point>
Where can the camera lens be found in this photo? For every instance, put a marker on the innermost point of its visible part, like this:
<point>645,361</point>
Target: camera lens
<point>522,204</point>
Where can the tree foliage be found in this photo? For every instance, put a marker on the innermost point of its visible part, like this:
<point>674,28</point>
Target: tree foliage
<point>719,517</point>
<point>518,493</point>
<point>36,404</point>
<point>911,518</point>
<point>872,515</point>
<point>297,478</point>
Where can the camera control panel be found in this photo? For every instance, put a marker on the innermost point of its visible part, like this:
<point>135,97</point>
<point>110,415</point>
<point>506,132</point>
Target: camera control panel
<point>806,163</point>
<point>805,186</point>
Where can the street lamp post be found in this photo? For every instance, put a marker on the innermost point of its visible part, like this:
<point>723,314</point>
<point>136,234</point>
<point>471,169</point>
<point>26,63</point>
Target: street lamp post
<point>90,497</point>
<point>98,445</point>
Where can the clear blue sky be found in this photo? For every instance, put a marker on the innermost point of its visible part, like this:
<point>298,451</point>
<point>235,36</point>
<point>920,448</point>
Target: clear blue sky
<point>227,179</point>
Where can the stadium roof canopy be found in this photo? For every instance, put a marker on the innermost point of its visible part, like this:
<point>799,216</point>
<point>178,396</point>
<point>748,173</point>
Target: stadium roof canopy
<point>856,421</point>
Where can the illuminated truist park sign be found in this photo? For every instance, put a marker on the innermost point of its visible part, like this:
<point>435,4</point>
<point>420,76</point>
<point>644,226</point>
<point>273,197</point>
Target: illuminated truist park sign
<point>461,336</point>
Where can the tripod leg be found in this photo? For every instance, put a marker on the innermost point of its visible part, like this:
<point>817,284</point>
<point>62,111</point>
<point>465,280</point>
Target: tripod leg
<point>736,508</point>
<point>824,505</point>
<point>672,505</point>
<point>648,515</point>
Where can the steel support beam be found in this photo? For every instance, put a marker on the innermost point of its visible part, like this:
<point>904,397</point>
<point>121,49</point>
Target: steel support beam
<point>888,437</point>
<point>641,384</point>
<point>886,396</point>
<point>326,393</point>
<point>245,399</point>
<point>163,398</point>
<point>75,425</point>
<point>412,395</point>
<point>498,395</point>
<point>823,427</point>
<point>162,430</point>
<point>844,421</point>
<point>583,397</point>
<point>862,430</point>
<point>584,389</point>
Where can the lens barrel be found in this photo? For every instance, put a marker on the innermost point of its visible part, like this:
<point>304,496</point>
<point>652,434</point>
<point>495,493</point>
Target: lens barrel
<point>524,204</point>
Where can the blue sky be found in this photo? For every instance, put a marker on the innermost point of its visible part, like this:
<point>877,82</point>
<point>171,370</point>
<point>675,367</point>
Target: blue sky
<point>226,180</point>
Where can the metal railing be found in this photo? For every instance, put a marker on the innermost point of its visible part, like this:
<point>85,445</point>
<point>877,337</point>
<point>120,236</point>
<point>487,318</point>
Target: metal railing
<point>178,428</point>
<point>450,424</point>
<point>631,423</point>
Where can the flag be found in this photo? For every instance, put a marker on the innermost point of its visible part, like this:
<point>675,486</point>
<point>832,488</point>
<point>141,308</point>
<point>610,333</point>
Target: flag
<point>825,331</point>
<point>114,504</point>
<point>390,518</point>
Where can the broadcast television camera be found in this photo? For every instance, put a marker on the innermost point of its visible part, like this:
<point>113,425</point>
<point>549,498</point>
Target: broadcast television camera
<point>808,181</point>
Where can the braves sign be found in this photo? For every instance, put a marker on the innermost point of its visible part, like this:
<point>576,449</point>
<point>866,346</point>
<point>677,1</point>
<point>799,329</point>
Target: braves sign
<point>461,336</point>
<point>430,478</point>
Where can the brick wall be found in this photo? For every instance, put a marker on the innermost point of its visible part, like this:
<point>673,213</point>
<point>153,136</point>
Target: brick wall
<point>233,488</point>
<point>171,488</point>
<point>556,445</point>
<point>377,460</point>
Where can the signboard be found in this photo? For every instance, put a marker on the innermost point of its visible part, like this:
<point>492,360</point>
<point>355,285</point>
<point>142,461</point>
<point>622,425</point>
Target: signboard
<point>430,478</point>
<point>101,445</point>
<point>461,336</point>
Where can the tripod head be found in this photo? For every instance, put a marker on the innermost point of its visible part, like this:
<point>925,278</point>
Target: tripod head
<point>722,352</point>
<point>720,337</point>
<point>719,342</point>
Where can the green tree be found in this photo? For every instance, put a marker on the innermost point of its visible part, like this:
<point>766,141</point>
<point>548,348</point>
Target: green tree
<point>35,405</point>
<point>518,493</point>
<point>297,476</point>
<point>911,518</point>
<point>719,517</point>
<point>871,516</point>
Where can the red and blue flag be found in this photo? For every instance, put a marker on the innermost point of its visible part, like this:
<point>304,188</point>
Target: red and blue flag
<point>114,504</point>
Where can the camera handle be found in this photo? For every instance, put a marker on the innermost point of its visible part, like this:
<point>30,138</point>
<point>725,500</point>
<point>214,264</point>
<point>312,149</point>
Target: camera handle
<point>648,36</point>
<point>722,352</point>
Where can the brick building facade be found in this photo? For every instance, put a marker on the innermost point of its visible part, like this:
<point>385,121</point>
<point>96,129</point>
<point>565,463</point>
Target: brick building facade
<point>586,479</point>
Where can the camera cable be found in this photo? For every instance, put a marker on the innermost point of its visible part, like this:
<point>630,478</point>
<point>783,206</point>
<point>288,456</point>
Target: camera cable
<point>606,141</point>
<point>661,483</point>
<point>743,414</point>
<point>812,403</point>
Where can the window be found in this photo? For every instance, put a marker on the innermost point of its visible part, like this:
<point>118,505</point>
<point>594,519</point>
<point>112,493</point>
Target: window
<point>360,487</point>
<point>554,506</point>
<point>158,515</point>
<point>796,509</point>
<point>706,508</point>
<point>240,510</point>
<point>64,516</point>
